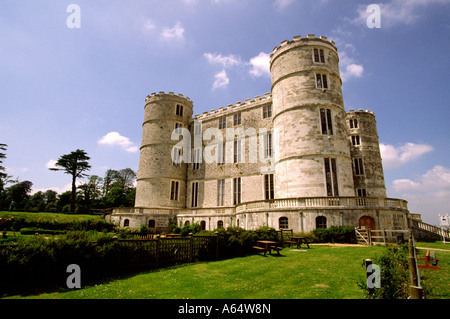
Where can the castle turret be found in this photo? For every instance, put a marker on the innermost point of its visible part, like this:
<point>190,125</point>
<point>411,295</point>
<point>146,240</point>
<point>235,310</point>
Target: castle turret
<point>366,156</point>
<point>312,156</point>
<point>161,180</point>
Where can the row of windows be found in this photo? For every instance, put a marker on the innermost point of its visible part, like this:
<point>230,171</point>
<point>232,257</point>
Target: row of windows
<point>238,156</point>
<point>321,222</point>
<point>237,190</point>
<point>331,181</point>
<point>283,223</point>
<point>237,118</point>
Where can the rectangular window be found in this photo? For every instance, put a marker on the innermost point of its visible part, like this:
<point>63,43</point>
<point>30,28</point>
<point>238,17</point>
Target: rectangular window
<point>176,156</point>
<point>326,123</point>
<point>222,122</point>
<point>353,123</point>
<point>220,192</point>
<point>268,186</point>
<point>319,56</point>
<point>321,81</point>
<point>237,151</point>
<point>237,119</point>
<point>268,145</point>
<point>331,177</point>
<point>194,196</point>
<point>174,190</point>
<point>220,154</point>
<point>359,168</point>
<point>236,191</point>
<point>178,127</point>
<point>361,192</point>
<point>355,140</point>
<point>197,158</point>
<point>267,111</point>
<point>197,129</point>
<point>179,110</point>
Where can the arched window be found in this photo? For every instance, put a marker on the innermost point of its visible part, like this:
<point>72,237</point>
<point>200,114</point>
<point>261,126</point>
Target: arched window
<point>151,223</point>
<point>220,224</point>
<point>126,223</point>
<point>321,222</point>
<point>186,223</point>
<point>283,223</point>
<point>203,225</point>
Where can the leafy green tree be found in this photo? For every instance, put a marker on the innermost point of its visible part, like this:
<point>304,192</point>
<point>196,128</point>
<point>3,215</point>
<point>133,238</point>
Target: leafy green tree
<point>19,193</point>
<point>115,197</point>
<point>74,164</point>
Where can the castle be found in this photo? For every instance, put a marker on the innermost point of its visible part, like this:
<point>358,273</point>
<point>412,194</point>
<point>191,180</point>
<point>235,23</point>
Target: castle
<point>291,159</point>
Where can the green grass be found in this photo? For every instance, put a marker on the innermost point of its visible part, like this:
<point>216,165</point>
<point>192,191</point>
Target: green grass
<point>318,273</point>
<point>436,283</point>
<point>58,217</point>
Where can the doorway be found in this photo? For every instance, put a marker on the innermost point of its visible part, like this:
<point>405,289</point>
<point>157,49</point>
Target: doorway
<point>366,222</point>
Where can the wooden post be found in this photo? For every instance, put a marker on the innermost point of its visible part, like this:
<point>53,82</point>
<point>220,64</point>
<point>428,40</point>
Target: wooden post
<point>369,236</point>
<point>415,289</point>
<point>191,248</point>
<point>217,245</point>
<point>384,237</point>
<point>157,252</point>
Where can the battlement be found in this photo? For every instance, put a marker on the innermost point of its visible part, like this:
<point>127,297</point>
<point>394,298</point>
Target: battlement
<point>360,111</point>
<point>231,108</point>
<point>162,94</point>
<point>299,39</point>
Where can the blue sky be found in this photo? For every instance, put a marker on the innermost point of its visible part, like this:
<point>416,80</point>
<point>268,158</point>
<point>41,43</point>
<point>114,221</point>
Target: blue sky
<point>65,88</point>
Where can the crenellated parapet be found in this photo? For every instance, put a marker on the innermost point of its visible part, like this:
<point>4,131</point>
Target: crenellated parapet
<point>237,107</point>
<point>302,41</point>
<point>162,94</point>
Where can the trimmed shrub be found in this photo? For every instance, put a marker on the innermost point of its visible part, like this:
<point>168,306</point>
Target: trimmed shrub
<point>335,234</point>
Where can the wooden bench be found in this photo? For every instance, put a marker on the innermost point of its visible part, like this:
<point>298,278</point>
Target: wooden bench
<point>427,259</point>
<point>297,241</point>
<point>267,246</point>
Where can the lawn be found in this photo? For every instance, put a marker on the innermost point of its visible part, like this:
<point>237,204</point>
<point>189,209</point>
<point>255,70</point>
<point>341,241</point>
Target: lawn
<point>317,273</point>
<point>57,217</point>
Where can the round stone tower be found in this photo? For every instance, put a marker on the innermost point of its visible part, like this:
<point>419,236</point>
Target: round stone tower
<point>312,154</point>
<point>365,151</point>
<point>161,180</point>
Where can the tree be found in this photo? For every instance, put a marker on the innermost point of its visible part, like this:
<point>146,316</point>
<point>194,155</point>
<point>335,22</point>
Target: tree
<point>19,193</point>
<point>74,164</point>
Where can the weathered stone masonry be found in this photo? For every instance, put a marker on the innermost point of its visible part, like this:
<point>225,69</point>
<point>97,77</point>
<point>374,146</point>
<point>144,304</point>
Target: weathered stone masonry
<point>301,161</point>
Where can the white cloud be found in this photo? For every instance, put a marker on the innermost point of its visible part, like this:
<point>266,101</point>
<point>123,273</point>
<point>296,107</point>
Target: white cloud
<point>220,80</point>
<point>51,164</point>
<point>174,33</point>
<point>260,65</point>
<point>114,138</point>
<point>351,71</point>
<point>226,61</point>
<point>398,12</point>
<point>149,25</point>
<point>396,156</point>
<point>282,4</point>
<point>257,66</point>
<point>426,195</point>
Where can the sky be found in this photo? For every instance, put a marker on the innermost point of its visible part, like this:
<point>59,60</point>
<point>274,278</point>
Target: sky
<point>75,74</point>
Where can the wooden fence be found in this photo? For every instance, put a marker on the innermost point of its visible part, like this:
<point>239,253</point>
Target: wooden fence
<point>381,236</point>
<point>169,251</point>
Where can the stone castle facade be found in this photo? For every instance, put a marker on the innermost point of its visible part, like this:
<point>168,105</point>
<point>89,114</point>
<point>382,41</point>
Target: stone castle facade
<point>290,159</point>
